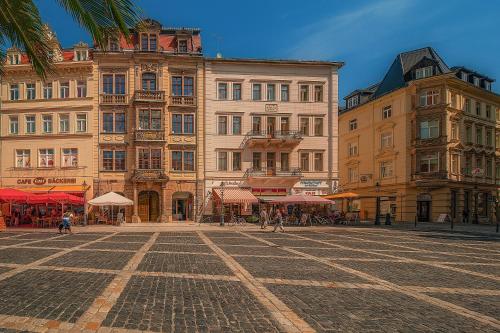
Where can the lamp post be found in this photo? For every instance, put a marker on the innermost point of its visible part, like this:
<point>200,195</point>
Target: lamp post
<point>377,207</point>
<point>84,189</point>
<point>222,185</point>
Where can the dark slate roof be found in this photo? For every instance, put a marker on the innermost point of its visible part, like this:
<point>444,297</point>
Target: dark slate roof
<point>404,62</point>
<point>368,90</point>
<point>457,69</point>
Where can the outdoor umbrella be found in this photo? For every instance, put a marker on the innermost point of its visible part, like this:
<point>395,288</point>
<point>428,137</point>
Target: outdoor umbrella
<point>111,199</point>
<point>11,196</point>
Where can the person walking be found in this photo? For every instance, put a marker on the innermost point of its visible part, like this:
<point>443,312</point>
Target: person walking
<point>264,218</point>
<point>279,221</point>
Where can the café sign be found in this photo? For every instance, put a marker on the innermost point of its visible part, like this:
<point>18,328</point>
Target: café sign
<point>45,181</point>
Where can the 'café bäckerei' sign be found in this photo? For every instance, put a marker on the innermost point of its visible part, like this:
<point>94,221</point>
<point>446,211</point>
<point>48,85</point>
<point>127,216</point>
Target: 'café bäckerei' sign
<point>46,181</point>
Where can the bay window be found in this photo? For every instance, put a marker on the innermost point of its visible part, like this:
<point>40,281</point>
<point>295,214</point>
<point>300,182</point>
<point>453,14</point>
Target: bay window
<point>429,162</point>
<point>429,129</point>
<point>429,97</point>
<point>113,160</point>
<point>149,158</point>
<point>150,119</point>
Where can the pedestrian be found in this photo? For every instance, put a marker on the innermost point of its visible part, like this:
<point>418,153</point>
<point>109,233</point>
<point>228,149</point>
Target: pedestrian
<point>264,217</point>
<point>66,223</point>
<point>279,221</point>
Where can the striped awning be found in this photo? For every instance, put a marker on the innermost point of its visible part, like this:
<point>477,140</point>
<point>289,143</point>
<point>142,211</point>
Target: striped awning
<point>235,195</point>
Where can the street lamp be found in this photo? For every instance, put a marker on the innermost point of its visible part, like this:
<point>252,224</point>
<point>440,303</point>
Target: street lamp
<point>377,207</point>
<point>222,185</point>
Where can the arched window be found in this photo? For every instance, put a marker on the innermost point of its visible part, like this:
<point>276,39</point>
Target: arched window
<point>148,81</point>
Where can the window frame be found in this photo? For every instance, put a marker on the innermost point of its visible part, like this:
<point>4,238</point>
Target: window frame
<point>25,158</point>
<point>28,124</point>
<point>78,128</point>
<point>73,156</point>
<point>222,160</point>
<point>16,122</point>
<point>47,124</point>
<point>30,91</point>
<point>387,112</point>
<point>50,157</point>
<point>304,93</point>
<point>256,94</point>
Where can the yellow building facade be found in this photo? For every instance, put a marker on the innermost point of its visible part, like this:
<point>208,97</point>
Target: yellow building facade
<point>46,126</point>
<point>425,140</point>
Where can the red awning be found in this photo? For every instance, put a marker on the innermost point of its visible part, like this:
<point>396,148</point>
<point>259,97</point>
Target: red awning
<point>235,195</point>
<point>302,199</point>
<point>12,195</point>
<point>57,197</point>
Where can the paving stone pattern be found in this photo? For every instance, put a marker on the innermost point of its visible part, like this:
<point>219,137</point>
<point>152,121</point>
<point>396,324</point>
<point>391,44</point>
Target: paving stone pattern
<point>183,263</point>
<point>236,283</point>
<point>188,305</point>
<point>89,259</point>
<point>50,294</point>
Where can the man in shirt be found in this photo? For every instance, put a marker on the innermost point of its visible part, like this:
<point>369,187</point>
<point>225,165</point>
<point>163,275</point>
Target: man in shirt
<point>264,217</point>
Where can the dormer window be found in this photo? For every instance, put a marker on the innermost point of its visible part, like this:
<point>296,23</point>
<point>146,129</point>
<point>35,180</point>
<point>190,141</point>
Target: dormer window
<point>81,55</point>
<point>149,42</point>
<point>476,81</point>
<point>182,46</point>
<point>353,101</point>
<point>487,85</point>
<point>421,73</point>
<point>465,77</point>
<point>14,59</point>
<point>113,45</point>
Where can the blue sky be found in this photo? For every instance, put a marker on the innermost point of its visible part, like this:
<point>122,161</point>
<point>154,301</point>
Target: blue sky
<point>366,35</point>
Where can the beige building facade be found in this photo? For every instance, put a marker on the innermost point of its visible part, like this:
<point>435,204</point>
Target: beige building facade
<point>271,126</point>
<point>47,126</point>
<point>425,140</point>
<point>151,120</point>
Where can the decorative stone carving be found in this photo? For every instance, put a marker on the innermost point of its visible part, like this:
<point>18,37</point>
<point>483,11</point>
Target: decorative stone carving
<point>149,67</point>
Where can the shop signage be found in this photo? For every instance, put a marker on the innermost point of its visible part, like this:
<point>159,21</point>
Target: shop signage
<point>45,181</point>
<point>310,183</point>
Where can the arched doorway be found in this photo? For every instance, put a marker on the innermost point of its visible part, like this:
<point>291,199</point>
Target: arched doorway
<point>149,206</point>
<point>182,206</point>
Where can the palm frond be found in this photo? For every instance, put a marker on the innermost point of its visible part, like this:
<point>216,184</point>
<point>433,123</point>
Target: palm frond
<point>21,24</point>
<point>100,16</point>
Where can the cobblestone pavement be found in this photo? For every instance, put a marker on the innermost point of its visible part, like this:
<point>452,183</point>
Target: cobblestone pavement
<point>341,279</point>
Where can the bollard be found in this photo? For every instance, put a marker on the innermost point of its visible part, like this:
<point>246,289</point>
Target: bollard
<point>416,218</point>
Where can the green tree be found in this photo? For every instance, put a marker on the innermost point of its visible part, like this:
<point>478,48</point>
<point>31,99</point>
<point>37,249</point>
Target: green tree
<point>21,25</point>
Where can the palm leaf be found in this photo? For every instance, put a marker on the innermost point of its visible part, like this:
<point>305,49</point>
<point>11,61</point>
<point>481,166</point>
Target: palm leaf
<point>21,25</point>
<point>101,16</point>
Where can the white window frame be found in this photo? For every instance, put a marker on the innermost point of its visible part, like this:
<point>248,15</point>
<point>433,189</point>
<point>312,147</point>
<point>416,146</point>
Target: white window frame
<point>429,126</point>
<point>219,95</point>
<point>31,92</point>
<point>13,125</point>
<point>352,149</point>
<point>387,112</point>
<point>386,169</point>
<point>421,73</point>
<point>69,158</point>
<point>79,122</point>
<point>23,158</point>
<point>28,124</point>
<point>44,153</point>
<point>429,98</point>
<point>353,124</point>
<point>64,89</point>
<point>428,158</point>
<point>66,123</point>
<point>47,123</point>
<point>386,140</point>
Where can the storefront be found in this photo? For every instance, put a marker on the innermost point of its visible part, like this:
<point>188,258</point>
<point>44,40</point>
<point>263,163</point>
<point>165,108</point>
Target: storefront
<point>311,187</point>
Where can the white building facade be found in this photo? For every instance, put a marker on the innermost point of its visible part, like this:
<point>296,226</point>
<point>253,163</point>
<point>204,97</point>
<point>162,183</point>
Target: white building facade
<point>271,126</point>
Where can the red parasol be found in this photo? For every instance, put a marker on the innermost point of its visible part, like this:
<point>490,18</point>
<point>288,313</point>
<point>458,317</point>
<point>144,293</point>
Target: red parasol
<point>58,197</point>
<point>11,195</point>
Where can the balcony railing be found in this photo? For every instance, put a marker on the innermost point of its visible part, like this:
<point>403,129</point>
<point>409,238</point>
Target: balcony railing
<point>272,172</point>
<point>149,96</point>
<point>429,176</point>
<point>150,175</point>
<point>114,99</point>
<point>183,100</point>
<point>149,135</point>
<point>272,136</point>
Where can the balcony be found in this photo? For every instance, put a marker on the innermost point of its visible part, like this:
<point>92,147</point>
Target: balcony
<point>150,175</point>
<point>150,135</point>
<point>114,99</point>
<point>182,101</point>
<point>272,177</point>
<point>431,179</point>
<point>149,96</point>
<point>278,139</point>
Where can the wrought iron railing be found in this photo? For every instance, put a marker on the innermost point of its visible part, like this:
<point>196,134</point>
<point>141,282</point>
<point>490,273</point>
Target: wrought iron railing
<point>150,175</point>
